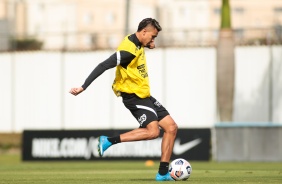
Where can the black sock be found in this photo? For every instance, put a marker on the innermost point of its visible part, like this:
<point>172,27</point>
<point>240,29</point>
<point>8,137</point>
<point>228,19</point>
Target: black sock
<point>163,169</point>
<point>114,140</point>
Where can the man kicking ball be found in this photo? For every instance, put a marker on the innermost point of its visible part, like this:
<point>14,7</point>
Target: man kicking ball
<point>132,84</point>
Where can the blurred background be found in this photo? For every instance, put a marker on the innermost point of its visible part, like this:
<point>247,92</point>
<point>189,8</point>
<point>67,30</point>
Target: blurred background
<point>93,25</point>
<point>217,66</point>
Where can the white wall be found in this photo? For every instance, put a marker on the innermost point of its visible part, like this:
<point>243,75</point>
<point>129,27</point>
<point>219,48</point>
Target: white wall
<point>252,84</point>
<point>35,88</point>
<point>6,99</point>
<point>258,84</point>
<point>277,84</point>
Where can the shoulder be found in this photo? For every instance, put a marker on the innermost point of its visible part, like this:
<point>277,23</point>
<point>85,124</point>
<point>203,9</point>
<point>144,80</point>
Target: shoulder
<point>129,44</point>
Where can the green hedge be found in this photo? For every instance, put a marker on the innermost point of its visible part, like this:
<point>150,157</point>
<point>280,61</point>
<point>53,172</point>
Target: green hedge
<point>26,44</point>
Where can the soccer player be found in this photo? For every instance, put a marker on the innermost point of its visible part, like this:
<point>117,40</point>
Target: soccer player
<point>132,84</point>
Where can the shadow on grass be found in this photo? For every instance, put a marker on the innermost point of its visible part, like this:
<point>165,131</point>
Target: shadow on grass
<point>143,179</point>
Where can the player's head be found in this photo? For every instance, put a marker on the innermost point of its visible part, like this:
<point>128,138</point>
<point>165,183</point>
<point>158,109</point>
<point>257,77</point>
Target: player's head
<point>148,30</point>
<point>149,22</point>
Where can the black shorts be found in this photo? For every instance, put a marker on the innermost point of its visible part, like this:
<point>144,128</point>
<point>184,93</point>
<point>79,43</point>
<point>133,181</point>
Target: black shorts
<point>145,110</point>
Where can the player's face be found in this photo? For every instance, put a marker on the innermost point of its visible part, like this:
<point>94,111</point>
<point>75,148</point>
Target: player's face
<point>150,33</point>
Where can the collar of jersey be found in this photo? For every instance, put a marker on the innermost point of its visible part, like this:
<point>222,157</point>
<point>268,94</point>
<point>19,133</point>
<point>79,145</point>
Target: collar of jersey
<point>135,40</point>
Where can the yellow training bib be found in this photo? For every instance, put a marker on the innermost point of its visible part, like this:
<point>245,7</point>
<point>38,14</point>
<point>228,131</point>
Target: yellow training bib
<point>134,78</point>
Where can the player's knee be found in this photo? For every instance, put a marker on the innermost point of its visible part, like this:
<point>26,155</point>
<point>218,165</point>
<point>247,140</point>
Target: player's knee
<point>172,129</point>
<point>154,133</point>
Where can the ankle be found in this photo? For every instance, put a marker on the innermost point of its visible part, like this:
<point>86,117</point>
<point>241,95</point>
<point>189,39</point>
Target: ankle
<point>114,140</point>
<point>163,168</point>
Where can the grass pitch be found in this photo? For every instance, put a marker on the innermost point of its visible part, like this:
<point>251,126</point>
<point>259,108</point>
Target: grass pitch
<point>13,171</point>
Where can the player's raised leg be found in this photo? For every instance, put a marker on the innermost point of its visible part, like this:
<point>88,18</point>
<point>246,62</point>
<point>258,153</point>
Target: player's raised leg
<point>151,131</point>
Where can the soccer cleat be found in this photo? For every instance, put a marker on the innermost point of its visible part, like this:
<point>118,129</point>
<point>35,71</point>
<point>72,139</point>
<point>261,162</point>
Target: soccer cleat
<point>103,145</point>
<point>166,177</point>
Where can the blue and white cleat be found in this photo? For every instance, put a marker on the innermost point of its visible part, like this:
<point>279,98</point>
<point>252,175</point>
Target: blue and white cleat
<point>103,145</point>
<point>166,177</point>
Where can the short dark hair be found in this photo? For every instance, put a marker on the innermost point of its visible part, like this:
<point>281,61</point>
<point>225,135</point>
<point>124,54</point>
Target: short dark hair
<point>148,21</point>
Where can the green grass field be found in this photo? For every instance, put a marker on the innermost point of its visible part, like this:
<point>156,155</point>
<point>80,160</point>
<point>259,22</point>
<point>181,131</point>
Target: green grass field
<point>13,171</point>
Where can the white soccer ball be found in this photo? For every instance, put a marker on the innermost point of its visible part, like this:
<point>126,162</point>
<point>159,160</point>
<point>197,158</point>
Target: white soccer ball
<point>180,169</point>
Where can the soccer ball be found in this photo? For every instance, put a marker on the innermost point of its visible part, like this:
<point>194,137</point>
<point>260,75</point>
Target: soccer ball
<point>180,169</point>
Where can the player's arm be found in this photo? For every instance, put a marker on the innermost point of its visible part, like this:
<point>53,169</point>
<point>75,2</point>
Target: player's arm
<point>118,58</point>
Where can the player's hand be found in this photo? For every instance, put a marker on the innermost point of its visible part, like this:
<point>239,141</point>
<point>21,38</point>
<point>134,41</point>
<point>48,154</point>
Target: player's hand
<point>76,91</point>
<point>151,45</point>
